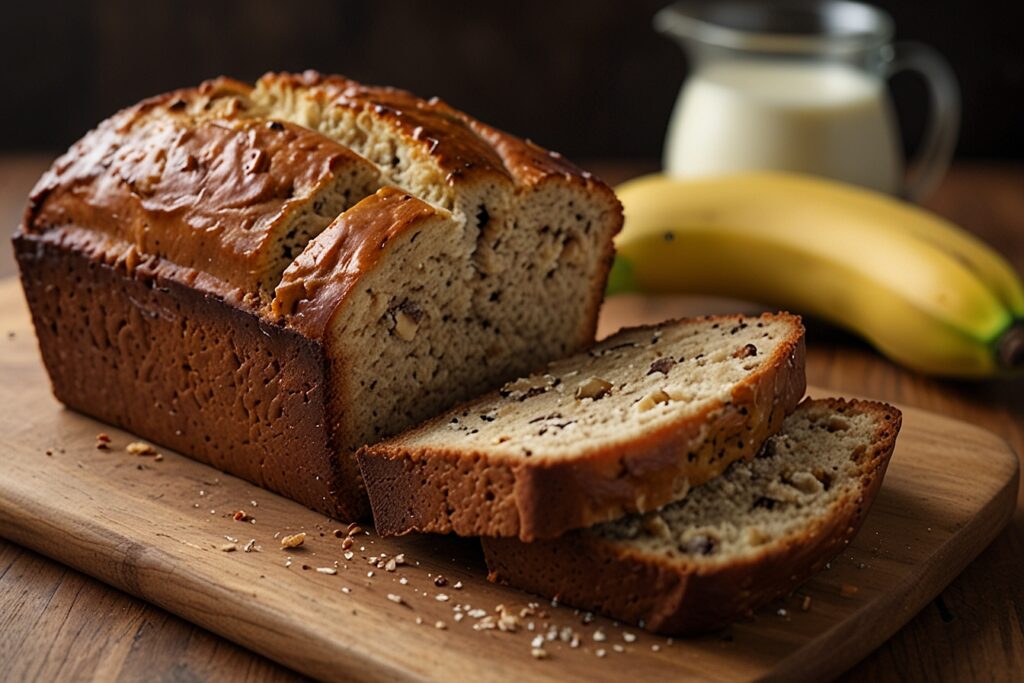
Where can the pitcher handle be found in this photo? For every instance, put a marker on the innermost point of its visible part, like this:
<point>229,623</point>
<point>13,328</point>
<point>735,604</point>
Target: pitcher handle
<point>943,123</point>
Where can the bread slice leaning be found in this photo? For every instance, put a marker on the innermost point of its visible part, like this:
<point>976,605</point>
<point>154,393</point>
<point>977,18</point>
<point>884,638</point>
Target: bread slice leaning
<point>732,545</point>
<point>626,426</point>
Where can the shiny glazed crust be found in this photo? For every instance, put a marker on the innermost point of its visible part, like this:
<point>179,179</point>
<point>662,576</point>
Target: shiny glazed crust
<point>673,597</point>
<point>477,494</point>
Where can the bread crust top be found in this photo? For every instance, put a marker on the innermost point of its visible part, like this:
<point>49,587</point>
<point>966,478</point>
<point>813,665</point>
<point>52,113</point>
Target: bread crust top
<point>188,177</point>
<point>464,147</point>
<point>319,280</point>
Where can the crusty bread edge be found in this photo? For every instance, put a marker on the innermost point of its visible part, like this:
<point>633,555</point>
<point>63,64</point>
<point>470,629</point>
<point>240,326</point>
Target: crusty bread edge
<point>474,493</point>
<point>676,598</point>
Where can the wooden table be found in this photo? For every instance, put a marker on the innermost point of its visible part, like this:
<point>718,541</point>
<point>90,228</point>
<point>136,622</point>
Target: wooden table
<point>59,624</point>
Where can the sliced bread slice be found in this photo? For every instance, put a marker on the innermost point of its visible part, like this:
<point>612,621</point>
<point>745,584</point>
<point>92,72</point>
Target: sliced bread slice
<point>627,426</point>
<point>732,545</point>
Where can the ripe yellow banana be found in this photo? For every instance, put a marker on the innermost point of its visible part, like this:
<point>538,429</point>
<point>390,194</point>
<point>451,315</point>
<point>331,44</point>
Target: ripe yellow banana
<point>923,291</point>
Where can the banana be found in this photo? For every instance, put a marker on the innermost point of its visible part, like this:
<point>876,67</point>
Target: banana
<point>924,292</point>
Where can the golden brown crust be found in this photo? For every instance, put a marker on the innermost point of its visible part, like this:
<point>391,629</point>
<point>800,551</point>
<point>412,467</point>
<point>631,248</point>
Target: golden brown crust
<point>464,147</point>
<point>186,188</point>
<point>676,597</point>
<point>149,346</point>
<point>429,488</point>
<point>320,279</point>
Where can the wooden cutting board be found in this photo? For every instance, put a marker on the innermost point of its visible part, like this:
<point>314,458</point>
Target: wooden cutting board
<point>158,529</point>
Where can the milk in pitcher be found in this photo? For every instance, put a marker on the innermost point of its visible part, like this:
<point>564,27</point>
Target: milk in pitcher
<point>824,118</point>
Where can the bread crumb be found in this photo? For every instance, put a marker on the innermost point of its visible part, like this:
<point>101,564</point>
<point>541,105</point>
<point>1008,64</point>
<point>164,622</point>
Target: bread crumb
<point>140,448</point>
<point>327,570</point>
<point>229,547</point>
<point>440,625</point>
<point>805,605</point>
<point>293,540</point>
<point>539,653</point>
<point>397,599</point>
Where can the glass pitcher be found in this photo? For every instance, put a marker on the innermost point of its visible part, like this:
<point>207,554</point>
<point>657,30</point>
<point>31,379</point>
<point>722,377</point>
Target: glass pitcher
<point>800,86</point>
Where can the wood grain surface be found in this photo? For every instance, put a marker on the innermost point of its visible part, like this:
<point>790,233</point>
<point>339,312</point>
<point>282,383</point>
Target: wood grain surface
<point>59,624</point>
<point>167,530</point>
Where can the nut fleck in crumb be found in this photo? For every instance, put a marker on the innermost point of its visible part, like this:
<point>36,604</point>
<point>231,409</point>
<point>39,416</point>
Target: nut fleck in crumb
<point>229,547</point>
<point>327,570</point>
<point>848,590</point>
<point>102,441</point>
<point>239,516</point>
<point>293,540</point>
<point>346,544</point>
<point>354,529</point>
<point>593,388</point>
<point>806,604</point>
<point>346,590</point>
<point>440,581</point>
<point>745,351</point>
<point>250,546</point>
<point>140,448</point>
<point>338,533</point>
<point>397,599</point>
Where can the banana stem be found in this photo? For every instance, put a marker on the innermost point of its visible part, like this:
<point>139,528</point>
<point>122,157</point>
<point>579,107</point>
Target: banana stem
<point>1011,347</point>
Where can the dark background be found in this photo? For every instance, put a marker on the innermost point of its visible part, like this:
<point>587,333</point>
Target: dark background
<point>590,79</point>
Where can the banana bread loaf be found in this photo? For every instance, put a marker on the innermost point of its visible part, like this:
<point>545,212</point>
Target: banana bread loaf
<point>222,272</point>
<point>626,426</point>
<point>732,545</point>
